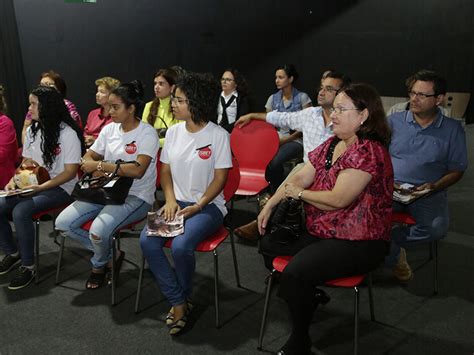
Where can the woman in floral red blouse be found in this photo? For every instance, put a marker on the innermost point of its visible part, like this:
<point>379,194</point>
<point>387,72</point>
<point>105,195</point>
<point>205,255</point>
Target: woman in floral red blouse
<point>346,188</point>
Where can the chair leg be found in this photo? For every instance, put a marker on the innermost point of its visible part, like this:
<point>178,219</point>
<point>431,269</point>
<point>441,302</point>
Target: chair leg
<point>216,287</point>
<point>356,320</point>
<point>234,256</point>
<point>265,310</point>
<point>435,252</point>
<point>114,255</point>
<point>37,232</point>
<point>371,297</point>
<point>139,287</point>
<point>60,257</point>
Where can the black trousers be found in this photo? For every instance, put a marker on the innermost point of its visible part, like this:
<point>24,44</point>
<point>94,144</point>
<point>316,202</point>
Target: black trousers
<point>316,261</point>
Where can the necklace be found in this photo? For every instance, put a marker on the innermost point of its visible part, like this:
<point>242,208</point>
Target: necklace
<point>330,153</point>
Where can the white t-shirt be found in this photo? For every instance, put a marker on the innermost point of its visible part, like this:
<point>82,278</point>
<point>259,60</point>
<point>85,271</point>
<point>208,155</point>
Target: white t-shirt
<point>68,152</point>
<point>193,157</point>
<point>113,144</point>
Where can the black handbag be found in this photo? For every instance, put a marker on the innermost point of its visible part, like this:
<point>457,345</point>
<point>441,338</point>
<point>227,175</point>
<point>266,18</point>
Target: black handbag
<point>110,189</point>
<point>286,222</point>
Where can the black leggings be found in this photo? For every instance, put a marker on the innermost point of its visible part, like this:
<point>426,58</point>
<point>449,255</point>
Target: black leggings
<point>316,261</point>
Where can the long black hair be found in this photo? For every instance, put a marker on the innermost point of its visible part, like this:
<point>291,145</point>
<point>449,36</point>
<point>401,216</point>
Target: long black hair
<point>52,112</point>
<point>170,76</point>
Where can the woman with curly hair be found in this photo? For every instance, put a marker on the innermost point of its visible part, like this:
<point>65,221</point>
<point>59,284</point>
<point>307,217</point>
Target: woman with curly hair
<point>195,162</point>
<point>52,79</point>
<point>53,141</point>
<point>158,112</point>
<point>129,139</point>
<point>8,143</point>
<point>233,101</point>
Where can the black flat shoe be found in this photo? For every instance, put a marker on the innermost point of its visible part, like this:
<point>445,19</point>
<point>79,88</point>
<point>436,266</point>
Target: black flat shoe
<point>95,281</point>
<point>321,296</point>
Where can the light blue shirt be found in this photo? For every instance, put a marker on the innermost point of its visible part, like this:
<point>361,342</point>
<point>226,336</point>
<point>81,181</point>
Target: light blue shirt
<point>310,121</point>
<point>421,155</point>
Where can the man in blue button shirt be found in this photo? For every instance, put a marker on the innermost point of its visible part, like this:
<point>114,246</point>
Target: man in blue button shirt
<point>428,150</point>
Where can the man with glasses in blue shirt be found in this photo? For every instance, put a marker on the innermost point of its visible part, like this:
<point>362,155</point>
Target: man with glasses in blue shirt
<point>428,151</point>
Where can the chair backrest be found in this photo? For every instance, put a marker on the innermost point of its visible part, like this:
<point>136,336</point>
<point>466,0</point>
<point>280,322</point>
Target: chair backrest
<point>233,180</point>
<point>254,145</point>
<point>389,101</point>
<point>457,102</point>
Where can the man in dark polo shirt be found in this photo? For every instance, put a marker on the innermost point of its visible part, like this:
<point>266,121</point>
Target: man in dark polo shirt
<point>428,150</point>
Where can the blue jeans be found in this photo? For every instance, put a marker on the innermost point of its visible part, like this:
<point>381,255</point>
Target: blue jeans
<point>177,285</point>
<point>275,173</point>
<point>432,222</point>
<point>22,210</point>
<point>107,219</point>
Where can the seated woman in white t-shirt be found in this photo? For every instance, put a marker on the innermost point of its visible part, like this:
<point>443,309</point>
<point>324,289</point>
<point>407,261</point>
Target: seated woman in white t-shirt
<point>53,141</point>
<point>195,162</point>
<point>129,139</point>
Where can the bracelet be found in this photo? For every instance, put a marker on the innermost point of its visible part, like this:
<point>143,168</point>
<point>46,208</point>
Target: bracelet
<point>300,195</point>
<point>197,204</point>
<point>99,166</point>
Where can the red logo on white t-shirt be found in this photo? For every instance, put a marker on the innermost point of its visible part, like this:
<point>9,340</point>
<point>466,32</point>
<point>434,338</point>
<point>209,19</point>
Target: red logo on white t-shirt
<point>131,148</point>
<point>57,151</point>
<point>204,152</point>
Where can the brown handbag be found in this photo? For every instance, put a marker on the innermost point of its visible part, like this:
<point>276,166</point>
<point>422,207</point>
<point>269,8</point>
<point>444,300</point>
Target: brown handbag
<point>30,175</point>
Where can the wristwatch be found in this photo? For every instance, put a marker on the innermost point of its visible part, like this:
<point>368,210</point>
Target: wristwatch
<point>300,194</point>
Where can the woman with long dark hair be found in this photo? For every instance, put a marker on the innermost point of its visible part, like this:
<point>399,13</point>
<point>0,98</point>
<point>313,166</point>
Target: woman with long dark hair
<point>129,139</point>
<point>158,112</point>
<point>53,141</point>
<point>347,190</point>
<point>52,79</point>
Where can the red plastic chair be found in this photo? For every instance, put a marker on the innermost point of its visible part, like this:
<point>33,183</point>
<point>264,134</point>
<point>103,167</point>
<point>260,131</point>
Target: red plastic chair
<point>210,244</point>
<point>405,218</point>
<point>254,146</point>
<point>115,246</point>
<point>115,239</point>
<point>36,220</point>
<point>280,263</point>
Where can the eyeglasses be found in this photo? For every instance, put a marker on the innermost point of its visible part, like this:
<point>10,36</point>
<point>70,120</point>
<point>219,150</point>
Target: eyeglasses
<point>328,89</point>
<point>421,95</point>
<point>340,110</point>
<point>228,80</point>
<point>178,100</point>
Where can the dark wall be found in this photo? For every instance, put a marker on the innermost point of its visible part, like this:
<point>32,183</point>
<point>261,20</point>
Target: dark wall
<point>376,41</point>
<point>11,65</point>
